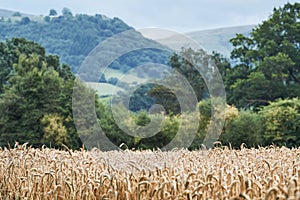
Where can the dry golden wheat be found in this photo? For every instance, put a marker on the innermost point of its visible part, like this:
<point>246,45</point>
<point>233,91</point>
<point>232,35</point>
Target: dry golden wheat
<point>220,173</point>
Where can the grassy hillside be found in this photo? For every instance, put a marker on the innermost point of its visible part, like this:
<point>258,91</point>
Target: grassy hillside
<point>6,13</point>
<point>73,37</point>
<point>210,40</point>
<point>104,89</point>
<point>9,13</point>
<point>218,39</point>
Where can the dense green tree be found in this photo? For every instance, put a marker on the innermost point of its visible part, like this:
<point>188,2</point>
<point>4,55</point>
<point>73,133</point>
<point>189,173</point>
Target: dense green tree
<point>52,12</point>
<point>36,100</point>
<point>47,19</point>
<point>165,97</point>
<point>186,63</point>
<point>268,60</point>
<point>245,128</point>
<point>25,21</point>
<point>182,63</point>
<point>140,99</point>
<point>207,121</point>
<point>102,79</point>
<point>10,52</point>
<point>17,14</point>
<point>66,12</point>
<point>225,69</point>
<point>196,67</point>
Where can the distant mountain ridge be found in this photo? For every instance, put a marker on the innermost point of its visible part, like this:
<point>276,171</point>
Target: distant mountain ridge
<point>218,39</point>
<point>73,37</point>
<point>210,40</point>
<point>9,13</point>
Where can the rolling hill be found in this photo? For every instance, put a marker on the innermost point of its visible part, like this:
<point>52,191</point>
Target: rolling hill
<point>210,40</point>
<point>73,37</point>
<point>6,13</point>
<point>9,13</point>
<point>218,39</point>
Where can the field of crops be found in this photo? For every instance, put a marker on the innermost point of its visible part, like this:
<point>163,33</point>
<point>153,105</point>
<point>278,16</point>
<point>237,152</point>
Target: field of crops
<point>221,173</point>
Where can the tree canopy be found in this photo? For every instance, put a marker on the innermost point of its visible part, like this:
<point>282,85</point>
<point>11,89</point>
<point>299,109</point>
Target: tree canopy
<point>268,61</point>
<point>262,81</point>
<point>36,96</point>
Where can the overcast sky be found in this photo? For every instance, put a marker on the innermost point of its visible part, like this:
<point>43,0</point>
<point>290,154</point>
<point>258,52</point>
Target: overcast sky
<point>179,15</point>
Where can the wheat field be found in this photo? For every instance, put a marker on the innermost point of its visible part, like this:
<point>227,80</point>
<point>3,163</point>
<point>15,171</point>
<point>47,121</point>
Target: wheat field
<point>219,173</point>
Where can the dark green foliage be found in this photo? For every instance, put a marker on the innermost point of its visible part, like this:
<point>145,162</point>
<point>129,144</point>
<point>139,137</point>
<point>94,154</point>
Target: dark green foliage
<point>102,79</point>
<point>36,99</point>
<point>17,14</point>
<point>268,61</point>
<point>162,138</point>
<point>247,128</point>
<point>186,63</point>
<point>141,57</point>
<point>240,127</point>
<point>52,12</point>
<point>142,119</point>
<point>117,136</point>
<point>113,80</point>
<point>36,90</point>
<point>66,12</point>
<point>140,99</point>
<point>24,21</point>
<point>9,55</point>
<point>163,96</point>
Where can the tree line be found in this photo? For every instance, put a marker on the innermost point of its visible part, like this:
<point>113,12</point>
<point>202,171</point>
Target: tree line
<point>261,81</point>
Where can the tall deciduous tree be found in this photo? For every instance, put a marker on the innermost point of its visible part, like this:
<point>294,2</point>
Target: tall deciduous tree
<point>268,61</point>
<point>185,63</point>
<point>52,12</point>
<point>36,101</point>
<point>10,52</point>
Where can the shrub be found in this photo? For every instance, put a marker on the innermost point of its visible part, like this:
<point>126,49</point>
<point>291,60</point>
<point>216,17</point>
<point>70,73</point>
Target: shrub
<point>246,128</point>
<point>282,122</point>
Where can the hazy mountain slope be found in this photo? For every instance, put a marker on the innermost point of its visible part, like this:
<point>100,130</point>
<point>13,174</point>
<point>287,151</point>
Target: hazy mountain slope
<point>73,37</point>
<point>218,39</point>
<point>9,13</point>
<point>209,40</point>
<point>6,13</point>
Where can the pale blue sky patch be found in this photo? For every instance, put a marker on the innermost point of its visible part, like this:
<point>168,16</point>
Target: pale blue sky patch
<point>179,15</point>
